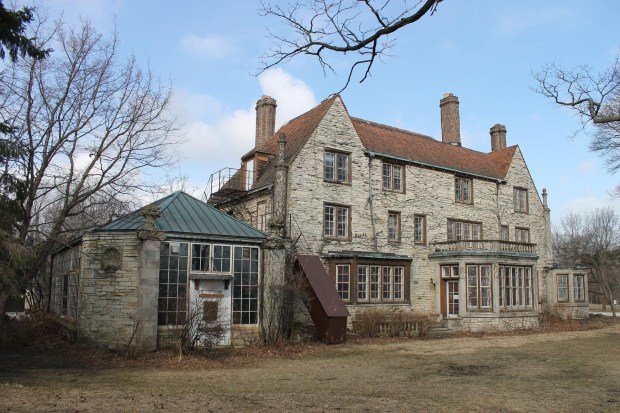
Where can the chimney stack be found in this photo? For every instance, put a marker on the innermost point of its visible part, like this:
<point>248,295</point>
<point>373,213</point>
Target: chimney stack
<point>265,119</point>
<point>450,119</point>
<point>498,137</point>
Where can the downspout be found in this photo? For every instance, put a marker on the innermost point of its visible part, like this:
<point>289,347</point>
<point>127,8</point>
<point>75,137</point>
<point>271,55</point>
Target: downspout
<point>371,156</point>
<point>499,218</point>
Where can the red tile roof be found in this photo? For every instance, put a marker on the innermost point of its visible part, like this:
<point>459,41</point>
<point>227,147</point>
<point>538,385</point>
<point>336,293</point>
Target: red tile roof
<point>391,142</point>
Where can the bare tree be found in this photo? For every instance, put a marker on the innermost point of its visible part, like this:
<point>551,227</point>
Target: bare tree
<point>593,240</point>
<point>595,96</point>
<point>91,127</point>
<point>324,28</point>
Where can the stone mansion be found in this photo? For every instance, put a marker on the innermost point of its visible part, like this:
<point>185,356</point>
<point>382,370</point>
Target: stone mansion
<point>401,220</point>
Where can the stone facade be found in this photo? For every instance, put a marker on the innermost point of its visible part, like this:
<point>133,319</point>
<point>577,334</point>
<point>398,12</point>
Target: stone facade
<point>513,238</point>
<point>118,307</point>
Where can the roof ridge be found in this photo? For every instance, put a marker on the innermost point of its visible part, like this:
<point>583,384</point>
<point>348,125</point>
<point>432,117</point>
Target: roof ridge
<point>388,127</point>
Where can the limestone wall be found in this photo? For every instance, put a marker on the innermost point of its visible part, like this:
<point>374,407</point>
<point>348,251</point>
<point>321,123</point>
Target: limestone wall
<point>118,300</point>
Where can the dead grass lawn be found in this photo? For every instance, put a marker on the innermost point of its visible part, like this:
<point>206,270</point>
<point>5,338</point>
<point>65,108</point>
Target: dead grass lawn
<point>574,371</point>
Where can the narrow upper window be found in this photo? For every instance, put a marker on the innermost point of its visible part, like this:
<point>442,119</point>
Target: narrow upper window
<point>394,226</point>
<point>200,257</point>
<point>419,229</point>
<point>522,234</point>
<point>463,190</point>
<point>222,258</point>
<point>336,167</point>
<point>393,177</point>
<point>336,221</point>
<point>520,200</point>
<point>503,233</point>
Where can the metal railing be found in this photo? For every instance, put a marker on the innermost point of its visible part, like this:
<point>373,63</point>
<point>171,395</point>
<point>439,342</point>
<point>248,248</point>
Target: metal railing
<point>223,185</point>
<point>485,245</point>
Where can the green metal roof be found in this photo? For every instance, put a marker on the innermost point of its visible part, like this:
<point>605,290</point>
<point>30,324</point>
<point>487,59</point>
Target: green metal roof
<point>181,213</point>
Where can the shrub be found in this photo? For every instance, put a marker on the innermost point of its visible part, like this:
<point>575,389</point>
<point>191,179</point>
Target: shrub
<point>392,323</point>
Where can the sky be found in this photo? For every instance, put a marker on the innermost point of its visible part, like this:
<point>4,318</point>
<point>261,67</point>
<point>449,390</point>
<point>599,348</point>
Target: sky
<point>483,51</point>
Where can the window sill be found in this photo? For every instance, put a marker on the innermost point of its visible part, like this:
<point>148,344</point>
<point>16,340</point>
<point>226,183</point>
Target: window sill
<point>393,191</point>
<point>336,239</point>
<point>329,181</point>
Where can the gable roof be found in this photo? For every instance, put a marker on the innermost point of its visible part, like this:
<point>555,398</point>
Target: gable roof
<point>424,150</point>
<point>297,131</point>
<point>181,213</point>
<point>390,142</point>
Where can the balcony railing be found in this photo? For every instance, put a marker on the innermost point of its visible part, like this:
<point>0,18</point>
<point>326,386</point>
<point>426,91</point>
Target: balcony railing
<point>485,245</point>
<point>224,184</point>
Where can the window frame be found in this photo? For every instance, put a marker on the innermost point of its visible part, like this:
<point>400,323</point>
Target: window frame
<point>222,259</point>
<point>335,173</point>
<point>343,281</point>
<point>388,180</point>
<point>191,258</point>
<point>453,228</point>
<point>447,271</point>
<point>372,282</point>
<point>562,298</point>
<point>460,192</point>
<point>519,232</point>
<point>579,289</point>
<point>517,193</point>
<point>478,287</point>
<point>516,287</point>
<point>335,224</point>
<point>422,238</point>
<point>504,233</point>
<point>394,232</point>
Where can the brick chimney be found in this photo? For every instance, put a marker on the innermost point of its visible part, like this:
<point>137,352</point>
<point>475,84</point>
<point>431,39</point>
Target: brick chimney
<point>498,137</point>
<point>450,119</point>
<point>265,119</point>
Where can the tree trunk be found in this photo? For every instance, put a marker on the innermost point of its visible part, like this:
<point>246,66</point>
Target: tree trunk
<point>4,297</point>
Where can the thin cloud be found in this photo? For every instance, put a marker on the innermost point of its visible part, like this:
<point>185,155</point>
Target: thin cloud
<point>211,46</point>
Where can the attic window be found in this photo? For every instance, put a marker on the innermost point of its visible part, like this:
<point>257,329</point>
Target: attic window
<point>336,168</point>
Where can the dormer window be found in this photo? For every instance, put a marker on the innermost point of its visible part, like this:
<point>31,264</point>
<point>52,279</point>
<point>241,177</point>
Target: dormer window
<point>248,174</point>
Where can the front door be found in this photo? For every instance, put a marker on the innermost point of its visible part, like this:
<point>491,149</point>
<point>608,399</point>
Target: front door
<point>452,298</point>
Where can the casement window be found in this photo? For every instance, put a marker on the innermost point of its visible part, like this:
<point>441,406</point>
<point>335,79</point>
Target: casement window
<point>449,271</point>
<point>393,226</point>
<point>463,230</point>
<point>378,284</point>
<point>343,281</point>
<point>520,200</point>
<point>479,287</point>
<point>522,235</point>
<point>463,190</point>
<point>246,285</point>
<point>503,233</point>
<point>65,280</point>
<point>515,287</point>
<point>222,258</point>
<point>336,167</point>
<point>562,281</point>
<point>172,301</point>
<point>393,177</point>
<point>336,221</point>
<point>201,255</point>
<point>419,229</point>
<point>579,288</point>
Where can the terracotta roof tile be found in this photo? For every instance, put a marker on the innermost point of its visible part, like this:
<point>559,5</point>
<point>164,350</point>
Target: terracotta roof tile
<point>411,146</point>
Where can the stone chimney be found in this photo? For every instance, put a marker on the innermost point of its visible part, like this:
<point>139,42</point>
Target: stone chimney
<point>265,119</point>
<point>450,119</point>
<point>498,137</point>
